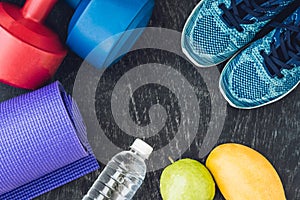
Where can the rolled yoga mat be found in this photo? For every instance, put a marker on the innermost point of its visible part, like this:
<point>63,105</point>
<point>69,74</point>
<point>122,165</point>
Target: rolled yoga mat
<point>43,143</point>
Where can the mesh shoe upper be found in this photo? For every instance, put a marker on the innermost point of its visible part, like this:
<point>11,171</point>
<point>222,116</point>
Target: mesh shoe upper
<point>216,30</point>
<point>267,70</point>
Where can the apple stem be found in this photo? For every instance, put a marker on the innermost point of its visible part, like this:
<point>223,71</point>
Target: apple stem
<point>171,160</point>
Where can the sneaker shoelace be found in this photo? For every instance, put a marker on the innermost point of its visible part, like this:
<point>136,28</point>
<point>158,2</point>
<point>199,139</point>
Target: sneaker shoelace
<point>286,55</point>
<point>235,14</point>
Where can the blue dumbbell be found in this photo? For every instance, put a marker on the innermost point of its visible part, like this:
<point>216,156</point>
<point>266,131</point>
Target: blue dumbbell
<point>100,25</point>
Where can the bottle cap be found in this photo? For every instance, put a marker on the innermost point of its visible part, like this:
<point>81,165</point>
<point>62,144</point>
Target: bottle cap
<point>142,148</point>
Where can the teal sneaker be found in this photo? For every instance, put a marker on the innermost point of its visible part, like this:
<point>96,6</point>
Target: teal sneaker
<point>217,29</point>
<point>267,70</point>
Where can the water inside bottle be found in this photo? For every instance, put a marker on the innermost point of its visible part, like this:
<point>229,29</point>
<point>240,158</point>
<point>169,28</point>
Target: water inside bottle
<point>120,179</point>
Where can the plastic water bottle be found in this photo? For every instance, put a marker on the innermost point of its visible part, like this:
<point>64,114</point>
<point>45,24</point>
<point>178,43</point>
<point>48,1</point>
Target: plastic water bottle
<point>123,175</point>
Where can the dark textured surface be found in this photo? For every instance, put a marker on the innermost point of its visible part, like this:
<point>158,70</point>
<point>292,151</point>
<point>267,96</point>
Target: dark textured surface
<point>273,130</point>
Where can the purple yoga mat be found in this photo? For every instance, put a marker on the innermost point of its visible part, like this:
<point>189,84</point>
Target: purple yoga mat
<point>43,143</point>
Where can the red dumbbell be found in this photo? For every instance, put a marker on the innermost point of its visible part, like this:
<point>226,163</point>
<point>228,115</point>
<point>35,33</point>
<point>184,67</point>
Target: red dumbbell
<point>30,53</point>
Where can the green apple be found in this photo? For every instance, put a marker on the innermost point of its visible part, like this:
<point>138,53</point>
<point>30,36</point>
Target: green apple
<point>187,179</point>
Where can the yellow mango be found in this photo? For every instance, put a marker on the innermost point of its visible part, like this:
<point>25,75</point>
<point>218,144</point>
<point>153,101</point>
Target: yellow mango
<point>242,173</point>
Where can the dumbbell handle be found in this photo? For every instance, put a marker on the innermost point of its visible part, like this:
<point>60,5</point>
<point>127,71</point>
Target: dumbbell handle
<point>37,10</point>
